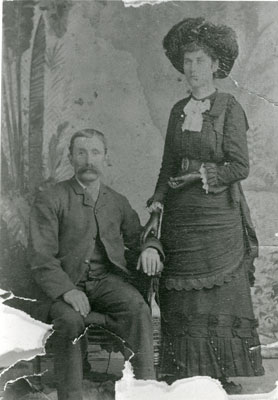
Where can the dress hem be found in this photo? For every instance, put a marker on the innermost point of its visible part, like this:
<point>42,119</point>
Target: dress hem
<point>185,357</point>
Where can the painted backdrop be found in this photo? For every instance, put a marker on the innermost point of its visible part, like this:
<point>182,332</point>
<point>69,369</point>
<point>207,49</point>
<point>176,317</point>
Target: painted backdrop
<point>69,65</point>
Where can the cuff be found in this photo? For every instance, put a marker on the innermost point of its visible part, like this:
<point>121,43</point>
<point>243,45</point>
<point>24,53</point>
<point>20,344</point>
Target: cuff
<point>211,173</point>
<point>155,206</point>
<point>204,179</point>
<point>209,176</point>
<point>154,243</point>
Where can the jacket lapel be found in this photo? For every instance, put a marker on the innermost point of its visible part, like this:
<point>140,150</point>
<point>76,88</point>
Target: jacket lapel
<point>78,189</point>
<point>219,104</point>
<point>102,197</point>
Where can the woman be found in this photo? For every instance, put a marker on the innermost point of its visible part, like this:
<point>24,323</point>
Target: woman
<point>208,325</point>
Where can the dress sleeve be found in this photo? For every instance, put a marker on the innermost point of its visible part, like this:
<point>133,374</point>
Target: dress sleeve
<point>169,164</point>
<point>131,230</point>
<point>235,149</point>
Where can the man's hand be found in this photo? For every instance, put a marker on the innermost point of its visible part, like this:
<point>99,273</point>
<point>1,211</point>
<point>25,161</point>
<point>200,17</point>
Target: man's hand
<point>150,262</point>
<point>78,300</point>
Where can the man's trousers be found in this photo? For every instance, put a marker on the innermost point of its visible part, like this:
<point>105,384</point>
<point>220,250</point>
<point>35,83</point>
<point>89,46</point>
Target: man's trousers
<point>117,306</point>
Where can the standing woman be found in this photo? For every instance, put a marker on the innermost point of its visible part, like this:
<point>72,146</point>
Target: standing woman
<point>208,324</point>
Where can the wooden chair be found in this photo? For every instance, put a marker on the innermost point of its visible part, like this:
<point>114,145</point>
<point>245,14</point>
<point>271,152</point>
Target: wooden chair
<point>96,335</point>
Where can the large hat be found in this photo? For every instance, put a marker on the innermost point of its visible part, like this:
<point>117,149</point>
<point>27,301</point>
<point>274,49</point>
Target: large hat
<point>220,38</point>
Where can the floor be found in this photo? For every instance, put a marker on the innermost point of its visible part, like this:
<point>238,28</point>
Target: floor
<point>99,383</point>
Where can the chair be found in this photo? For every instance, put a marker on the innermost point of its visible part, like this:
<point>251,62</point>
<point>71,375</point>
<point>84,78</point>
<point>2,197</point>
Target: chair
<point>111,343</point>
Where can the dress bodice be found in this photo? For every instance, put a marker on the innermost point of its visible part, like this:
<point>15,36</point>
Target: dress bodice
<point>223,144</point>
<point>206,145</point>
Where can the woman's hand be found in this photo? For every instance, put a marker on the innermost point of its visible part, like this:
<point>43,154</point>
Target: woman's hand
<point>152,226</point>
<point>184,180</point>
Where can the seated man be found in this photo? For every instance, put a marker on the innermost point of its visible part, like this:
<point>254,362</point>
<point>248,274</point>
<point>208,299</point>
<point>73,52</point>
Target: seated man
<point>79,231</point>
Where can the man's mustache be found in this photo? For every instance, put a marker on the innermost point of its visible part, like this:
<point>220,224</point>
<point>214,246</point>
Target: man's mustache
<point>89,168</point>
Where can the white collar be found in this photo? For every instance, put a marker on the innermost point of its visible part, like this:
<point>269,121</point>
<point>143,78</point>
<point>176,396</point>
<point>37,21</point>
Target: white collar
<point>193,111</point>
<point>95,190</point>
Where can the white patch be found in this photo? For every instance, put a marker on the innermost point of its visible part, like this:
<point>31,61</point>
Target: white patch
<point>21,337</point>
<point>128,388</point>
<point>138,3</point>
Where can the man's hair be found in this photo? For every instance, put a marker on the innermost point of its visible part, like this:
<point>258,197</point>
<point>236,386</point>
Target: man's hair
<point>88,133</point>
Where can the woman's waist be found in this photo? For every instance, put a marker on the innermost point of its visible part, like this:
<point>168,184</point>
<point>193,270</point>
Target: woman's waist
<point>188,164</point>
<point>195,196</point>
<point>193,212</point>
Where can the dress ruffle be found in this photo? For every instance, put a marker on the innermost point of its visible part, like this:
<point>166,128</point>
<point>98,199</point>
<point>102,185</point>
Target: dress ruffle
<point>211,345</point>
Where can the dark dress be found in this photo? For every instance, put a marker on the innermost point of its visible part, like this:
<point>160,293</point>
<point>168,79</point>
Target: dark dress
<point>208,325</point>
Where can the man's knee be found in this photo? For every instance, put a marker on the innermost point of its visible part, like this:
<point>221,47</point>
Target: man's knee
<point>139,308</point>
<point>69,323</point>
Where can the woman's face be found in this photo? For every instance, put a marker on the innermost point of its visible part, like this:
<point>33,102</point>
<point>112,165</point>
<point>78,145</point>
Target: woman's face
<point>199,68</point>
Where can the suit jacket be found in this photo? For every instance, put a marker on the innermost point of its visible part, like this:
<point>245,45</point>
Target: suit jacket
<point>63,226</point>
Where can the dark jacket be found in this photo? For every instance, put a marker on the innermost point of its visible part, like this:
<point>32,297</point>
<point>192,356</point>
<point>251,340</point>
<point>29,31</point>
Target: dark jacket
<point>63,227</point>
<point>221,142</point>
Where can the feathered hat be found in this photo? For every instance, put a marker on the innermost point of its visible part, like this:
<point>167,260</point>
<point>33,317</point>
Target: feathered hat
<point>220,38</point>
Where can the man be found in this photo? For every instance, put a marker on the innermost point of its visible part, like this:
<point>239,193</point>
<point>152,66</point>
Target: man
<point>79,231</point>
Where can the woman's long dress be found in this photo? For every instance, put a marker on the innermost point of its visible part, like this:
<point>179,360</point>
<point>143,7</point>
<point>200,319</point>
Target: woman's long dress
<point>208,325</point>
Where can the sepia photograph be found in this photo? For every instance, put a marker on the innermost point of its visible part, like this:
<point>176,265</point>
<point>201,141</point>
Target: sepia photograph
<point>139,200</point>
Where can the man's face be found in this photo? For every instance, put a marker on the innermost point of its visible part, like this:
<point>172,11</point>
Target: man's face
<point>87,158</point>
<point>199,68</point>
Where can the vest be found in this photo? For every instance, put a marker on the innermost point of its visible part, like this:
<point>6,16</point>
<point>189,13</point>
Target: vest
<point>99,263</point>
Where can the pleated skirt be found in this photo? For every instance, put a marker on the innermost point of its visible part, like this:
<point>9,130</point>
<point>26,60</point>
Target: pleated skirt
<point>207,320</point>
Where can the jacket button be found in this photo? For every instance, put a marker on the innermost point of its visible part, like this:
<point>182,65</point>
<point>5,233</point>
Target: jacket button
<point>86,261</point>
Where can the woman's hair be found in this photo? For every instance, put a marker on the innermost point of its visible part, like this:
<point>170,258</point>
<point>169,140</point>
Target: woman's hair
<point>191,34</point>
<point>88,133</point>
